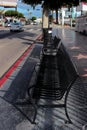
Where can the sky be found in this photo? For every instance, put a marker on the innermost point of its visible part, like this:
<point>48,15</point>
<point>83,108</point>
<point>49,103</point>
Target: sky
<point>32,12</point>
<point>27,10</point>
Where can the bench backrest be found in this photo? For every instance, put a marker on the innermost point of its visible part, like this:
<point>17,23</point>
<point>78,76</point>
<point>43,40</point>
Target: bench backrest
<point>56,41</point>
<point>67,70</point>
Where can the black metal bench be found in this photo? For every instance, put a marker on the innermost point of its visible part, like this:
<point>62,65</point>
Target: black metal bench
<point>51,47</point>
<point>55,77</point>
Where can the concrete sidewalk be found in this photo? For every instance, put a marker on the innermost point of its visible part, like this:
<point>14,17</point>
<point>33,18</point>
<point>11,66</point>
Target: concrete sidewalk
<point>15,89</point>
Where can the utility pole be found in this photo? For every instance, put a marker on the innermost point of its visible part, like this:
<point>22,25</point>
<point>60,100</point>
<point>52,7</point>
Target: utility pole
<point>71,17</point>
<point>63,14</point>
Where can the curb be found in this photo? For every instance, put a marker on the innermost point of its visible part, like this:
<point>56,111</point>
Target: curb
<point>7,74</point>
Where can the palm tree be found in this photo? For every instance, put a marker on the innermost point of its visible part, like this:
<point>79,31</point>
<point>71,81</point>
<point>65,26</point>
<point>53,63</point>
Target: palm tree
<point>53,4</point>
<point>29,13</point>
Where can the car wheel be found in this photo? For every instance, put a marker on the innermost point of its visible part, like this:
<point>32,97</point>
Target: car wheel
<point>11,30</point>
<point>84,32</point>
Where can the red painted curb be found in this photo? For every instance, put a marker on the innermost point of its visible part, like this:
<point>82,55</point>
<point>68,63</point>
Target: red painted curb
<point>14,66</point>
<point>40,37</point>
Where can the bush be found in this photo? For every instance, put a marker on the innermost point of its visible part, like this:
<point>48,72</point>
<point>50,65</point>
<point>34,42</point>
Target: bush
<point>33,18</point>
<point>13,13</point>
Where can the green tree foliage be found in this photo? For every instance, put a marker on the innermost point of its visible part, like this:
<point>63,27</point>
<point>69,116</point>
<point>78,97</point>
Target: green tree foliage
<point>53,4</point>
<point>20,15</point>
<point>13,13</point>
<point>32,2</point>
<point>33,18</point>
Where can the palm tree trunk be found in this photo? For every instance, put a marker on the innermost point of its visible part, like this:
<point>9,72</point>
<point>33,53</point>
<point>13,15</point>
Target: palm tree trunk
<point>45,18</point>
<point>45,24</point>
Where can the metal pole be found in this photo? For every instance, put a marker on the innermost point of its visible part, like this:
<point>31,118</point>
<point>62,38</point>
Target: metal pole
<point>71,16</point>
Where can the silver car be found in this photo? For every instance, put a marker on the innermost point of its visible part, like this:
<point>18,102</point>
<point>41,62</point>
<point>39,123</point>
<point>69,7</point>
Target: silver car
<point>17,26</point>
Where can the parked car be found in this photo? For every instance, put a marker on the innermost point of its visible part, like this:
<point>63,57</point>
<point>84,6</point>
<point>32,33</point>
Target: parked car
<point>8,24</point>
<point>17,26</point>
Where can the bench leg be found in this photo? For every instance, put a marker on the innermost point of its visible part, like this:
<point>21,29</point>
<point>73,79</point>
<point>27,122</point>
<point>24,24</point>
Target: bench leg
<point>66,112</point>
<point>33,104</point>
<point>35,112</point>
<point>17,108</point>
<point>31,121</point>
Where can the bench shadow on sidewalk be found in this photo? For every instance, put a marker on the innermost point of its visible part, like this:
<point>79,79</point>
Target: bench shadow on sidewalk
<point>52,118</point>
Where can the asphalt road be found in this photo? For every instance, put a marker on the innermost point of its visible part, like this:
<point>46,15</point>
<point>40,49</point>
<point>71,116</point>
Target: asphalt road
<point>13,45</point>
